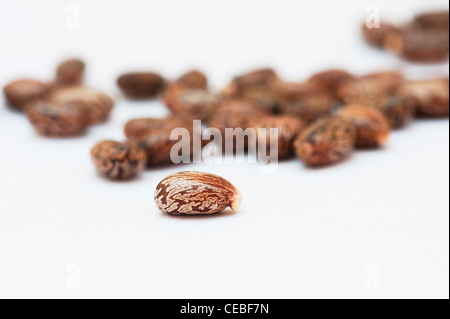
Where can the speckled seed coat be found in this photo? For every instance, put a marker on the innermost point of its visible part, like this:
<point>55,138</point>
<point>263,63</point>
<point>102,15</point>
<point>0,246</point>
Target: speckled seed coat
<point>98,105</point>
<point>118,161</point>
<point>21,93</point>
<point>70,72</point>
<point>372,128</point>
<point>58,119</point>
<point>141,85</point>
<point>327,141</point>
<point>288,129</point>
<point>429,98</point>
<point>196,193</point>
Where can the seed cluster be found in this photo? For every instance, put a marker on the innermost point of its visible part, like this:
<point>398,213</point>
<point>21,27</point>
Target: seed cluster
<point>423,39</point>
<point>320,120</point>
<point>63,107</point>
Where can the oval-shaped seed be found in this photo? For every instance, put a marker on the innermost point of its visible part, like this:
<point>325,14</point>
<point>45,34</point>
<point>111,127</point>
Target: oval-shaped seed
<point>118,161</point>
<point>139,129</point>
<point>195,104</point>
<point>196,193</point>
<point>288,129</point>
<point>193,80</point>
<point>97,104</point>
<point>330,80</point>
<point>21,93</point>
<point>261,79</point>
<point>141,85</point>
<point>70,72</point>
<point>327,141</point>
<point>58,119</point>
<point>372,128</point>
<point>429,98</point>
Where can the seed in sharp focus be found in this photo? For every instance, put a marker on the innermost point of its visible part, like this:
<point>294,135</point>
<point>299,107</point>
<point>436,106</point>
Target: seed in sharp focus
<point>70,72</point>
<point>372,128</point>
<point>141,85</point>
<point>429,98</point>
<point>196,193</point>
<point>193,80</point>
<point>288,129</point>
<point>327,141</point>
<point>118,161</point>
<point>21,93</point>
<point>97,104</point>
<point>58,119</point>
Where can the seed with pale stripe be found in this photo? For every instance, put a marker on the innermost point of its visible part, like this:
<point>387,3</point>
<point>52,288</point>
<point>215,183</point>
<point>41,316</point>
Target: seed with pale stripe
<point>196,193</point>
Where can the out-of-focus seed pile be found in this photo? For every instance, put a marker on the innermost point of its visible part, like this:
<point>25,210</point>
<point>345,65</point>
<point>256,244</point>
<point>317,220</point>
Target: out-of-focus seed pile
<point>63,107</point>
<point>321,120</point>
<point>423,39</point>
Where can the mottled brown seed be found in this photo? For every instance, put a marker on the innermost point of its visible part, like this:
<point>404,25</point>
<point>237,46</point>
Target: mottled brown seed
<point>419,45</point>
<point>370,85</point>
<point>377,36</point>
<point>98,105</point>
<point>236,114</point>
<point>264,100</point>
<point>397,110</point>
<point>118,161</point>
<point>330,80</point>
<point>288,129</point>
<point>195,104</point>
<point>196,193</point>
<point>21,93</point>
<point>141,85</point>
<point>293,91</point>
<point>58,119</point>
<point>70,72</point>
<point>193,80</point>
<point>372,128</point>
<point>325,142</point>
<point>138,129</point>
<point>261,79</point>
<point>429,98</point>
<point>433,20</point>
<point>153,135</point>
<point>311,108</point>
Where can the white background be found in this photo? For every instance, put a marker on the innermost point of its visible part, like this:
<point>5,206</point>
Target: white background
<point>376,225</point>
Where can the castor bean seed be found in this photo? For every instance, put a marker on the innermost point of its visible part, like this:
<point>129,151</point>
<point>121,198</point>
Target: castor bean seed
<point>70,72</point>
<point>372,128</point>
<point>327,141</point>
<point>21,93</point>
<point>98,105</point>
<point>118,161</point>
<point>429,98</point>
<point>58,119</point>
<point>196,193</point>
<point>141,85</point>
